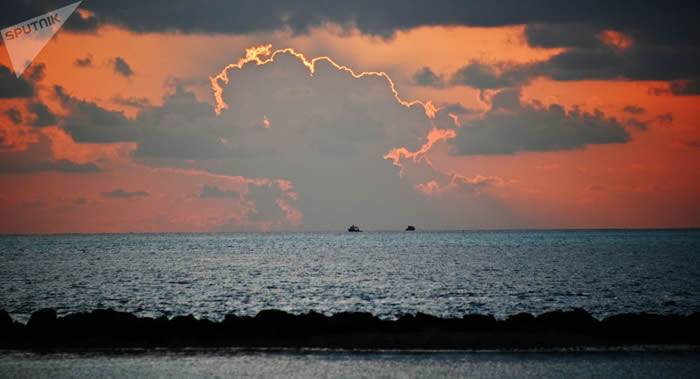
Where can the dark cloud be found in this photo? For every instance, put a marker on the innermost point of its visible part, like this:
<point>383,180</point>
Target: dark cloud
<point>633,109</point>
<point>636,123</point>
<point>511,127</point>
<point>42,115</point>
<point>122,68</point>
<point>216,16</point>
<point>38,157</point>
<point>664,37</point>
<point>556,35</point>
<point>119,193</point>
<point>88,122</point>
<point>13,87</point>
<point>215,192</point>
<point>35,73</point>
<point>426,77</point>
<point>572,22</point>
<point>24,10</point>
<point>14,115</point>
<point>181,128</point>
<point>133,102</point>
<point>639,62</point>
<point>83,62</point>
<point>597,63</point>
<point>484,76</point>
<point>689,87</point>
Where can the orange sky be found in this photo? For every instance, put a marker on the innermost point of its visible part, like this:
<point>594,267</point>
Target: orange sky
<point>651,181</point>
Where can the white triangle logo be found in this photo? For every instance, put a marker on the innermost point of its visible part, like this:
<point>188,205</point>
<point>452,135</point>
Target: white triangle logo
<point>26,39</point>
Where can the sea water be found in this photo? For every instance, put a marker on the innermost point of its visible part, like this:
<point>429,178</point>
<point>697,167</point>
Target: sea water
<point>384,273</point>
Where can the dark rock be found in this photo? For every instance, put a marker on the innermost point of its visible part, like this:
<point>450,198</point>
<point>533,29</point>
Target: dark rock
<point>519,321</point>
<point>275,328</point>
<point>346,321</point>
<point>274,316</point>
<point>42,319</point>
<point>423,320</point>
<point>479,322</point>
<point>645,327</point>
<point>574,320</point>
<point>5,320</point>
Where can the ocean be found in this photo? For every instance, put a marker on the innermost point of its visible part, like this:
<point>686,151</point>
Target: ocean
<point>385,273</point>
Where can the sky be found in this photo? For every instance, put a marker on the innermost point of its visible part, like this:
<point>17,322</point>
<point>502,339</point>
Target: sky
<point>213,116</point>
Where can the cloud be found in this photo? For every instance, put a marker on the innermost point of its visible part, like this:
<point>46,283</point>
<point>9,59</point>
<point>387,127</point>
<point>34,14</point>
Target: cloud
<point>557,35</point>
<point>484,76</point>
<point>352,149</point>
<point>22,11</point>
<point>133,102</point>
<point>678,88</point>
<point>329,135</point>
<point>426,77</point>
<point>119,193</point>
<point>13,87</point>
<point>647,40</point>
<point>14,115</point>
<point>122,68</point>
<point>636,123</point>
<point>83,62</point>
<point>38,157</point>
<point>511,126</point>
<point>210,191</point>
<point>87,122</point>
<point>460,183</point>
<point>41,114</point>
<point>633,109</point>
<point>211,16</point>
<point>181,128</point>
<point>637,63</point>
<point>597,63</point>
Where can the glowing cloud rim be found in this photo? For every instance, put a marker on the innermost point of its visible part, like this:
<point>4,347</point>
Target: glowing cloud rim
<point>263,54</point>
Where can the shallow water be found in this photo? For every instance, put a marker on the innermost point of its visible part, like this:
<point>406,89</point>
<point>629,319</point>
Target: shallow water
<point>353,364</point>
<point>443,273</point>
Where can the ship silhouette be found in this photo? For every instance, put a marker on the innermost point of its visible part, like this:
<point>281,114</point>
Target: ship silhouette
<point>354,229</point>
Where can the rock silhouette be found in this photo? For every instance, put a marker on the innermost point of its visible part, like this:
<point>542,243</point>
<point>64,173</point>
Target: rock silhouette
<point>274,328</point>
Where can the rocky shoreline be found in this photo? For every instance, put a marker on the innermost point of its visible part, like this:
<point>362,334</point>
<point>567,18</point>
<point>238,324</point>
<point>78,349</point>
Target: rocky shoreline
<point>101,329</point>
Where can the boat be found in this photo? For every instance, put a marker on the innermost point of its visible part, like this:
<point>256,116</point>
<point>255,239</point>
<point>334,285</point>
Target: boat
<point>410,228</point>
<point>354,229</point>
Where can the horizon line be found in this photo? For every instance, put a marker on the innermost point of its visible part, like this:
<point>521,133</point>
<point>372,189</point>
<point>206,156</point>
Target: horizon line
<point>342,231</point>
